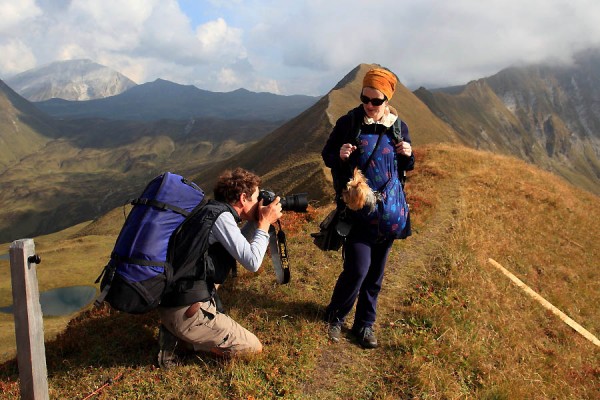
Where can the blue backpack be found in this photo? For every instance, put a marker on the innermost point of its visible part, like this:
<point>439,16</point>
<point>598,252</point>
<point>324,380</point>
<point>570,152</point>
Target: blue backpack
<point>140,271</point>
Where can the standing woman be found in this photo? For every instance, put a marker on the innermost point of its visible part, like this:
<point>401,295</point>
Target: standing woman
<point>382,156</point>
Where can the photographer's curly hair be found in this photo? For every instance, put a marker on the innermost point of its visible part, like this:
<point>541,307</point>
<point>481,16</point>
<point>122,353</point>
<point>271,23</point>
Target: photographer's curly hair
<point>231,185</point>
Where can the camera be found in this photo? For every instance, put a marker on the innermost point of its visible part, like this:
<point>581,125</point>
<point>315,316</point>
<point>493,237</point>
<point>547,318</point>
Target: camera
<point>294,202</point>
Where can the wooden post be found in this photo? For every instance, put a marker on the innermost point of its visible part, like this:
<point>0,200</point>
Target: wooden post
<point>29,326</point>
<point>546,304</point>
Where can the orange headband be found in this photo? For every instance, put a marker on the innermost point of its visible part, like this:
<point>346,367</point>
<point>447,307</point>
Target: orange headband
<point>382,80</point>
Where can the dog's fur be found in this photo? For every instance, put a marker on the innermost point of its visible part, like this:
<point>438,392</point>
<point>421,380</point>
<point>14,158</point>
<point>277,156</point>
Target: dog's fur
<point>358,194</point>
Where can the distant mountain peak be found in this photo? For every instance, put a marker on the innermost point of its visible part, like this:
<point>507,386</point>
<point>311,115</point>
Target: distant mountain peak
<point>81,79</point>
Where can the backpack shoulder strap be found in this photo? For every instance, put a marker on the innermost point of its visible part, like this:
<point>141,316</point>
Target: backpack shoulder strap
<point>191,237</point>
<point>160,205</point>
<point>397,129</point>
<point>354,131</point>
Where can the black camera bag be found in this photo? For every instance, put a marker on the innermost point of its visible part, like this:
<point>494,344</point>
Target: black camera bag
<point>332,231</point>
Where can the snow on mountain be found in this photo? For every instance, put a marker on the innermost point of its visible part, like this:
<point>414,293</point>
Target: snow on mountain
<point>69,80</point>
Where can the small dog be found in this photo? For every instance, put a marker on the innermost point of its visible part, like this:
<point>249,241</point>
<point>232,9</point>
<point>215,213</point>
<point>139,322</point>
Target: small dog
<point>358,194</point>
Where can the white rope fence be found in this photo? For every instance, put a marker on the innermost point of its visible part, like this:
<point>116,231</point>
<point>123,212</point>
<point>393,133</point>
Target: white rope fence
<point>565,318</point>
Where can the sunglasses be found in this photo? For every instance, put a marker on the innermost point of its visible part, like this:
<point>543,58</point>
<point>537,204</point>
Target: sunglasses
<point>375,102</point>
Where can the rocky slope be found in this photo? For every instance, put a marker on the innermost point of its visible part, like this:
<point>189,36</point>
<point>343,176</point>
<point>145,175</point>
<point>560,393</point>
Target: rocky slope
<point>548,115</point>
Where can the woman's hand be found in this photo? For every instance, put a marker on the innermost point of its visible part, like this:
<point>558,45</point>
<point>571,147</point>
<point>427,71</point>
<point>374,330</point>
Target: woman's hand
<point>404,148</point>
<point>346,150</point>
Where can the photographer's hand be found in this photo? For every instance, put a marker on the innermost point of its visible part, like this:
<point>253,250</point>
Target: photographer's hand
<point>268,215</point>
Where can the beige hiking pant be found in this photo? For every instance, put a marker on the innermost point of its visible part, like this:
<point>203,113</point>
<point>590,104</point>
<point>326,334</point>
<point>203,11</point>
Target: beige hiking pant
<point>209,330</point>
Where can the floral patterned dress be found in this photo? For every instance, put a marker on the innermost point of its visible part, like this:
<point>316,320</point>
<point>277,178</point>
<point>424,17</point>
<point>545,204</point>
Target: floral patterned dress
<point>389,218</point>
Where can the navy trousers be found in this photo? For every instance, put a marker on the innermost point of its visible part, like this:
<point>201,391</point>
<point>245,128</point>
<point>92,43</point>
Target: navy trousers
<point>361,278</point>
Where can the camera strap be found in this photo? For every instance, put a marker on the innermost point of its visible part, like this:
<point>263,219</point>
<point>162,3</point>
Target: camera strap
<point>279,255</point>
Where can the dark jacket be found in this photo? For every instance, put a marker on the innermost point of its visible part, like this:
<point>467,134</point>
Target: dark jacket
<point>346,130</point>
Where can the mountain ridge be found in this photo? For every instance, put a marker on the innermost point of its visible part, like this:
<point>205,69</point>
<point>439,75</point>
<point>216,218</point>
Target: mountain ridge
<point>546,115</point>
<point>162,99</point>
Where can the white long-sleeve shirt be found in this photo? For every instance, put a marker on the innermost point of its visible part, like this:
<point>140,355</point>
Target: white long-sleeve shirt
<point>247,245</point>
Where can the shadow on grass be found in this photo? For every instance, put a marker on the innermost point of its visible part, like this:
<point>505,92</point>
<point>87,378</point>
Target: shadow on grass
<point>246,301</point>
<point>103,337</point>
<point>98,337</point>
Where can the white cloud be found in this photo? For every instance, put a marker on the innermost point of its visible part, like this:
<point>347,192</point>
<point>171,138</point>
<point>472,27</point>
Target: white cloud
<point>295,47</point>
<point>71,51</point>
<point>16,57</point>
<point>216,39</point>
<point>267,85</point>
<point>16,12</point>
<point>228,78</point>
<point>15,54</point>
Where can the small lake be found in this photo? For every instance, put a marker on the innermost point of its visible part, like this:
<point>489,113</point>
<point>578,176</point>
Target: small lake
<point>62,301</point>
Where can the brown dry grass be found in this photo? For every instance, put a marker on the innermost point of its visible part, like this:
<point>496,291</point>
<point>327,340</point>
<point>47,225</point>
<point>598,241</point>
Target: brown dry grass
<point>450,325</point>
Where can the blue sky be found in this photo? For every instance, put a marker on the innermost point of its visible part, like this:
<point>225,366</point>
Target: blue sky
<point>295,47</point>
<point>201,12</point>
<point>197,11</point>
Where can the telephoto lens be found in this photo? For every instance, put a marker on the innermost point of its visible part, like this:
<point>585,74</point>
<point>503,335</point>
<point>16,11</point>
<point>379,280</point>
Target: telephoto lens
<point>294,202</point>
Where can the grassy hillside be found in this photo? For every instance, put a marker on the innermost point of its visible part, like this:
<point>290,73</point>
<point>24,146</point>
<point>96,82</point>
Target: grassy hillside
<point>450,325</point>
<point>61,184</point>
<point>21,125</point>
<point>98,165</point>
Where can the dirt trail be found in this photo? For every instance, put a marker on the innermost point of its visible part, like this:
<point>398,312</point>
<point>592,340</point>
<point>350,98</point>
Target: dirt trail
<point>409,259</point>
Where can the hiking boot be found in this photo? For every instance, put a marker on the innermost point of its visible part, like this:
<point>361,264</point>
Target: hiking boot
<point>167,343</point>
<point>366,337</point>
<point>334,332</point>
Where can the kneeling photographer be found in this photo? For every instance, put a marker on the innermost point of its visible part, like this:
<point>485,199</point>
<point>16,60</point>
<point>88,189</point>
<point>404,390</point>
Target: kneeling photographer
<point>190,315</point>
